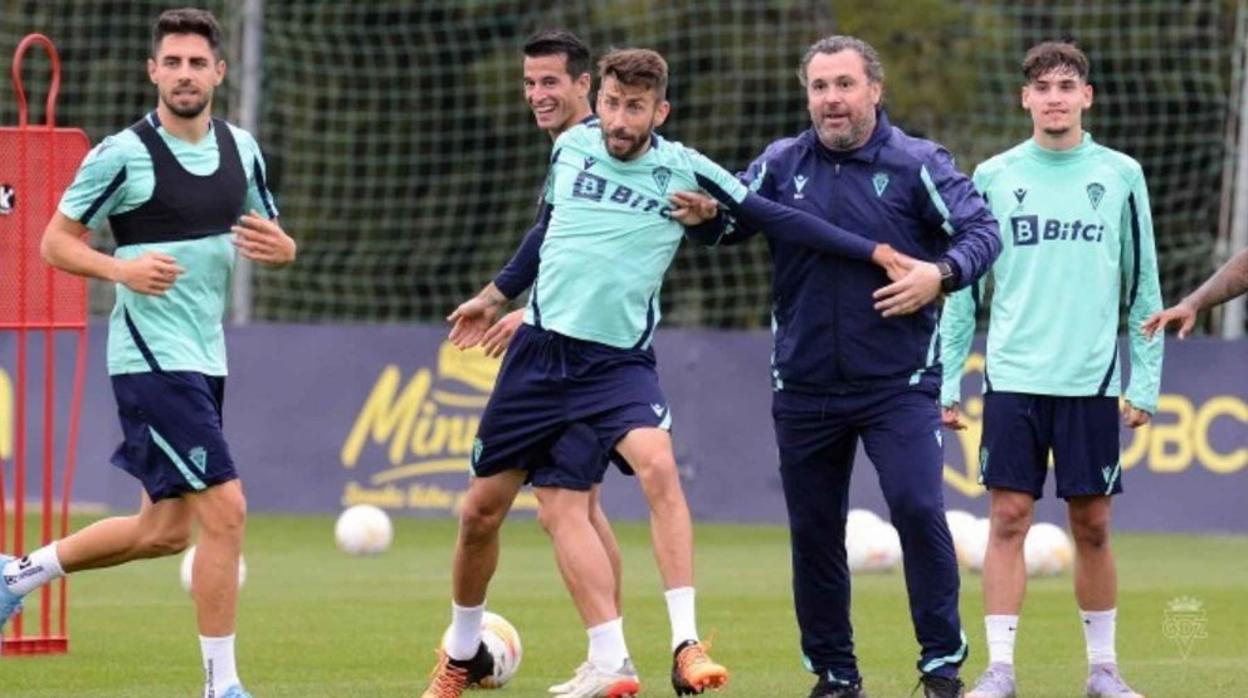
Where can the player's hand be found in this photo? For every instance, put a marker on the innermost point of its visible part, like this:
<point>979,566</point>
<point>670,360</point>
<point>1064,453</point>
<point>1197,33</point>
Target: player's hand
<point>894,263</point>
<point>470,321</point>
<point>152,273</point>
<point>1132,417</point>
<point>691,208</point>
<point>919,286</point>
<point>498,337</point>
<point>263,241</point>
<point>1182,313</point>
<point>951,417</point>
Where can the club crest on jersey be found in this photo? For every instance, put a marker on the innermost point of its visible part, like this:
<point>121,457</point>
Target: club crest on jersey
<point>662,176</point>
<point>1020,194</point>
<point>589,162</point>
<point>8,199</point>
<point>880,180</point>
<point>799,183</point>
<point>1096,192</point>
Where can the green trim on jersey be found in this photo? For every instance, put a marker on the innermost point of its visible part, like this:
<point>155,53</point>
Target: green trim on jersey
<point>182,329</point>
<point>610,238</point>
<point>1077,236</point>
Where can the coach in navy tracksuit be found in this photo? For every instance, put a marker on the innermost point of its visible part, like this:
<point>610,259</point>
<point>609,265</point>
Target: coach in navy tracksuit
<point>852,361</point>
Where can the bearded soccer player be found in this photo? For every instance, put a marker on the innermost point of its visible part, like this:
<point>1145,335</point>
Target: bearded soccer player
<point>1078,244</point>
<point>584,356</point>
<point>183,193</point>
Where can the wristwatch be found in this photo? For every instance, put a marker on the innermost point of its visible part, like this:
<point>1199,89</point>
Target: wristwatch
<point>948,278</point>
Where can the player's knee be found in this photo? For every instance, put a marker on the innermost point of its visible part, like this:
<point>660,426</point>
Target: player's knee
<point>1010,519</point>
<point>658,475</point>
<point>167,541</point>
<point>1090,530</point>
<point>227,518</point>
<point>477,522</point>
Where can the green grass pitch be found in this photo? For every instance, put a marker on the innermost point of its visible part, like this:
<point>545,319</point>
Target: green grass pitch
<point>314,622</point>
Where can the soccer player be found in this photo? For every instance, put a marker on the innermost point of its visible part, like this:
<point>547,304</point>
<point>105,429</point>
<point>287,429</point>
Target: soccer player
<point>857,359</point>
<point>557,82</point>
<point>172,187</point>
<point>583,356</point>
<point>1228,282</point>
<point>1079,245</point>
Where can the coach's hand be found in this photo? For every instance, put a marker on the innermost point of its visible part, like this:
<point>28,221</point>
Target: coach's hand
<point>263,241</point>
<point>498,337</point>
<point>919,286</point>
<point>1182,313</point>
<point>951,417</point>
<point>1132,417</point>
<point>691,208</point>
<point>151,273</point>
<point>895,264</point>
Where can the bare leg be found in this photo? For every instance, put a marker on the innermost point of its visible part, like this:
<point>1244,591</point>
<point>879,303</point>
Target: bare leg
<point>476,550</point>
<point>649,452</point>
<point>158,530</point>
<point>1005,570</point>
<point>222,513</point>
<point>579,552</point>
<point>602,527</point>
<point>1096,577</point>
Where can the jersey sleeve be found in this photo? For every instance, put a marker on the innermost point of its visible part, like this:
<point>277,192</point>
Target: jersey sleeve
<point>521,270</point>
<point>1142,292</point>
<point>955,206</point>
<point>713,178</point>
<point>957,322</point>
<point>98,186</point>
<point>725,229</point>
<point>259,198</point>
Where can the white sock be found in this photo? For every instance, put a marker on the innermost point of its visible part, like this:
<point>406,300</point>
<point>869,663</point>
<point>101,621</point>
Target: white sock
<point>1001,633</point>
<point>1098,631</point>
<point>219,670</point>
<point>26,574</point>
<point>607,650</point>
<point>680,612</point>
<point>465,636</point>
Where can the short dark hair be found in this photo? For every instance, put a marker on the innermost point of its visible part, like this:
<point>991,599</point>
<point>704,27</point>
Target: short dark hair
<point>555,42</point>
<point>1051,55</point>
<point>636,67</point>
<point>187,20</point>
<point>837,43</point>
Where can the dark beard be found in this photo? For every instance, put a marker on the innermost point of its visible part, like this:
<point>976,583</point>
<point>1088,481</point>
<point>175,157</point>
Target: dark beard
<point>188,112</point>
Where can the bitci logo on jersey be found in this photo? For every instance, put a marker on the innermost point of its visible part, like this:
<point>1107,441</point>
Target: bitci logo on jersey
<point>1028,230</point>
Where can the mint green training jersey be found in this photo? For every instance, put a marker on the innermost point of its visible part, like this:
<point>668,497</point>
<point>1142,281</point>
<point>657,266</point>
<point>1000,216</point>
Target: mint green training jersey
<point>182,328</point>
<point>1077,245</point>
<point>610,239</point>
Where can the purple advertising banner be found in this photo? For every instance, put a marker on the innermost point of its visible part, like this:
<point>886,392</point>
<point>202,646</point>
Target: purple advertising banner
<point>319,417</point>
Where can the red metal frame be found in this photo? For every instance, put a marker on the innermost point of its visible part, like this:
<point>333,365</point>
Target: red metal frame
<point>45,281</point>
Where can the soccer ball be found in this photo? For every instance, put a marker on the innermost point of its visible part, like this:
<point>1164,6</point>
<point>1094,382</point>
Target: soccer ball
<point>961,529</point>
<point>871,544</point>
<point>363,530</point>
<point>503,643</point>
<point>1047,550</point>
<point>188,564</point>
<point>976,541</point>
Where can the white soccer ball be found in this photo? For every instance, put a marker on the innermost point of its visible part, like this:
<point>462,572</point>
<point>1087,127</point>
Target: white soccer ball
<point>188,566</point>
<point>871,543</point>
<point>961,528</point>
<point>503,643</point>
<point>976,542</point>
<point>1047,550</point>
<point>363,530</point>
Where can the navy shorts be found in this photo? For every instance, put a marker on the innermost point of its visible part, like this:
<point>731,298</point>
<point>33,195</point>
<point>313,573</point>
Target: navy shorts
<point>1021,429</point>
<point>171,423</point>
<point>560,405</point>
